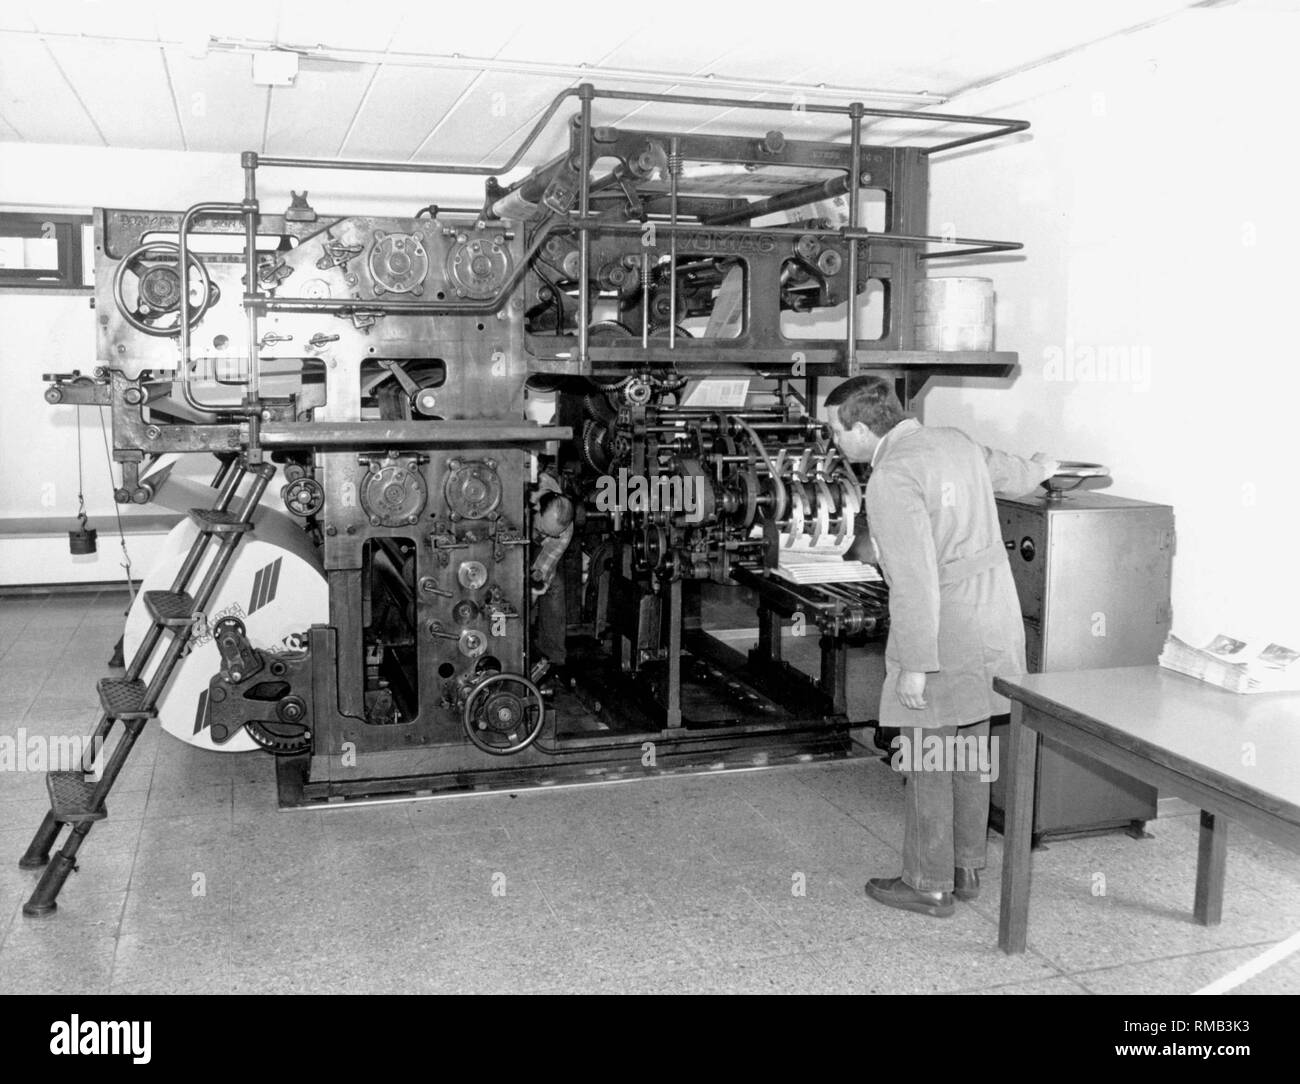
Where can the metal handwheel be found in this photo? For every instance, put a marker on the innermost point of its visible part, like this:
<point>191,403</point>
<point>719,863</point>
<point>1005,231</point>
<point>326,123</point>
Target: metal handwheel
<point>503,714</point>
<point>158,288</point>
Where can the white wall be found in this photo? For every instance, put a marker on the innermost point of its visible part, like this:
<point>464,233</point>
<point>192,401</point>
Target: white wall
<point>41,332</point>
<point>1154,195</point>
<point>1156,198</point>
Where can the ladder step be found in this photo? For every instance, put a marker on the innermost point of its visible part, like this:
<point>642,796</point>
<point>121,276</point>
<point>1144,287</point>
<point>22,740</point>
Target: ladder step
<point>171,609</point>
<point>70,798</point>
<point>215,522</point>
<point>123,699</point>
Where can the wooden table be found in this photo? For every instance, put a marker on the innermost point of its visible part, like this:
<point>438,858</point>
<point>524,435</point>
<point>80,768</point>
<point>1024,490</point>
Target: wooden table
<point>1236,757</point>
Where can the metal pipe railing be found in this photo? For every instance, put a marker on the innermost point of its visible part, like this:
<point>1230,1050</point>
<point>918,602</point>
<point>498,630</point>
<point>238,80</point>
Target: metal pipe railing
<point>257,303</point>
<point>183,254</point>
<point>847,233</point>
<point>251,291</point>
<point>855,191</point>
<point>674,178</point>
<point>999,126</point>
<point>430,167</point>
<point>584,240</point>
<point>451,308</point>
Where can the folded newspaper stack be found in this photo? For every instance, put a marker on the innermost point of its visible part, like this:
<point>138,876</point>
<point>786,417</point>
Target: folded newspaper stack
<point>828,572</point>
<point>1241,666</point>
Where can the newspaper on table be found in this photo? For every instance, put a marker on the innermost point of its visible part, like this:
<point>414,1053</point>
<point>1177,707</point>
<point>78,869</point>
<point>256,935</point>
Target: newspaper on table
<point>1241,666</point>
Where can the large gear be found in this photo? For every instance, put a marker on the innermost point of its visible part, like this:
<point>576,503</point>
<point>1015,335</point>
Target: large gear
<point>595,436</point>
<point>283,738</point>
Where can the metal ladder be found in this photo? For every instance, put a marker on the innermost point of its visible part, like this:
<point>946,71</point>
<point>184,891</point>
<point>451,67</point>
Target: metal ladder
<point>76,799</point>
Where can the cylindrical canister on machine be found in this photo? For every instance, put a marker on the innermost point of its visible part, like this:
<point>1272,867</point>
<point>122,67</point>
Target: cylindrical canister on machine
<point>954,314</point>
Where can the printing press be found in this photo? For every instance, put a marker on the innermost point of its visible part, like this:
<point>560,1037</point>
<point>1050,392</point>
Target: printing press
<point>545,462</point>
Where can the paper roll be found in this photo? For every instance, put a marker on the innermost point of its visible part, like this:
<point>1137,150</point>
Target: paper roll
<point>275,585</point>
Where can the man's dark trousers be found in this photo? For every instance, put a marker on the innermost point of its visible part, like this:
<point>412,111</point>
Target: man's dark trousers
<point>946,811</point>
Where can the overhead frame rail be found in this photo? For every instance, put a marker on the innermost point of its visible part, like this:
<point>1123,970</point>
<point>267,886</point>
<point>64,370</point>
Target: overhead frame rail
<point>257,303</point>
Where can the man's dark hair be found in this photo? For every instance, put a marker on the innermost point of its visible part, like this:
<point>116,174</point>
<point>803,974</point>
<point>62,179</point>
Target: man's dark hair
<point>867,399</point>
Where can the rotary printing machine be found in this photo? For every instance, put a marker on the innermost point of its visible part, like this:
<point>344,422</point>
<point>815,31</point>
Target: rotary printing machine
<point>492,621</point>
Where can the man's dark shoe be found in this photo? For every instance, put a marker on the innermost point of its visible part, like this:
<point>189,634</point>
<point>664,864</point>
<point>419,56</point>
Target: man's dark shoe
<point>894,892</point>
<point>966,883</point>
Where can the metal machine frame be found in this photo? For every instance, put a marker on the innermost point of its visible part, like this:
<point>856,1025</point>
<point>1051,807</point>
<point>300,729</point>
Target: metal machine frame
<point>408,346</point>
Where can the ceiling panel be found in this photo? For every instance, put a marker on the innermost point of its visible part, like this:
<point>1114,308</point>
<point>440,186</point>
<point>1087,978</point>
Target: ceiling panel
<point>554,138</point>
<point>1000,38</point>
<point>696,57</point>
<point>663,48</point>
<point>36,99</point>
<point>650,115</point>
<point>788,62</point>
<point>494,107</point>
<point>941,47</point>
<point>309,22</point>
<point>131,103</point>
<point>550,142</point>
<point>401,109</point>
<point>450,29</point>
<point>793,123</point>
<point>658,115</point>
<point>255,20</point>
<point>221,108</point>
<point>560,42</point>
<point>758,122</point>
<point>93,17</point>
<point>15,17</point>
<point>312,117</point>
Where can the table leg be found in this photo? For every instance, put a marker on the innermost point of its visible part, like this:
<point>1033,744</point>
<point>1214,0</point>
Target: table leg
<point>1017,832</point>
<point>1211,862</point>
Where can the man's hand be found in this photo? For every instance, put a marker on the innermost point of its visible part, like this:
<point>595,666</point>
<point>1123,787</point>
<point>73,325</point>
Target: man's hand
<point>911,688</point>
<point>1050,465</point>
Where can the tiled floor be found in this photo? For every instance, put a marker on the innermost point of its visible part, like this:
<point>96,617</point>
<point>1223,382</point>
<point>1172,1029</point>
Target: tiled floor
<point>196,883</point>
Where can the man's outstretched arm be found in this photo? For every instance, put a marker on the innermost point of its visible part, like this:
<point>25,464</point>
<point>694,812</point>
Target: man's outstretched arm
<point>1013,475</point>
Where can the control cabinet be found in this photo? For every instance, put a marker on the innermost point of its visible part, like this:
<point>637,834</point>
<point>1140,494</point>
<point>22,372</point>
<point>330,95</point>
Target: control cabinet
<point>1093,575</point>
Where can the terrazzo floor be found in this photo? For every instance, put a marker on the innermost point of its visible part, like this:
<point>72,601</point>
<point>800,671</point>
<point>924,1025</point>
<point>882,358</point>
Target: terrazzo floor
<point>196,883</point>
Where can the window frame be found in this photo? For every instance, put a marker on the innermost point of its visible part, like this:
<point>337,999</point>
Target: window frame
<point>68,232</point>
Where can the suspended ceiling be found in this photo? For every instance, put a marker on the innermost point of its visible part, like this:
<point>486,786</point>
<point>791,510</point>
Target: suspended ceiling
<point>424,82</point>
